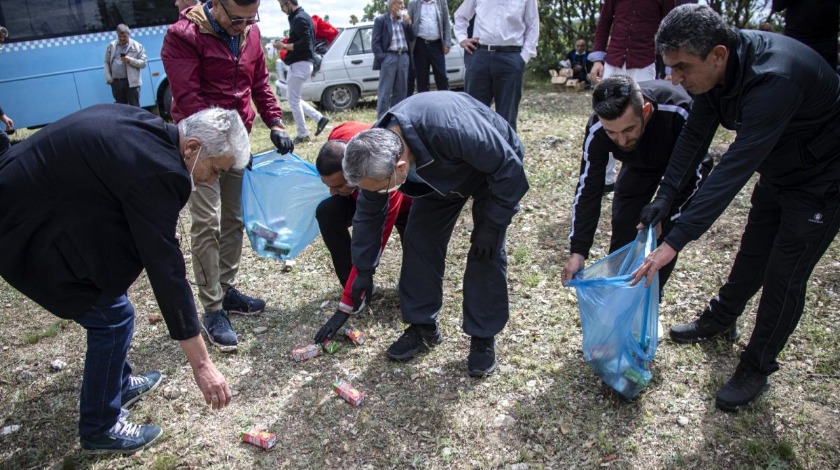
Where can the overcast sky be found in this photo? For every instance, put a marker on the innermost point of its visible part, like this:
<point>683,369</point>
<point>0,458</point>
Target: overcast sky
<point>273,21</point>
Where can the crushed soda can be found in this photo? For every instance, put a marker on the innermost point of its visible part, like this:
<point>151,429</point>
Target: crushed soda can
<point>356,336</point>
<point>330,346</point>
<point>345,390</point>
<point>262,231</point>
<point>259,438</point>
<point>306,352</point>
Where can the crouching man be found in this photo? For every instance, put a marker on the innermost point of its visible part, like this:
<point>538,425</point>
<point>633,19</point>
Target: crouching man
<point>88,203</point>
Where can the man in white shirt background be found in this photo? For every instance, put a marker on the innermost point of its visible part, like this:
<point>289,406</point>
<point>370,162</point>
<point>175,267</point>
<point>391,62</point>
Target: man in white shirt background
<point>504,39</point>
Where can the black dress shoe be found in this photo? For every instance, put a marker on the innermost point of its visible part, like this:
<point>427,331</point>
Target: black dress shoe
<point>703,329</point>
<point>482,359</point>
<point>414,339</point>
<point>743,388</point>
<point>322,123</point>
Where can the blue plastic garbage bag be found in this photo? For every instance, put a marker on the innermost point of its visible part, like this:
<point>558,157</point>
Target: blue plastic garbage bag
<point>619,321</point>
<point>279,198</point>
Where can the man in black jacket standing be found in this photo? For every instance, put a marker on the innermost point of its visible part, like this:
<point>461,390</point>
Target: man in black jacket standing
<point>441,149</point>
<point>89,202</point>
<point>300,54</point>
<point>783,100</point>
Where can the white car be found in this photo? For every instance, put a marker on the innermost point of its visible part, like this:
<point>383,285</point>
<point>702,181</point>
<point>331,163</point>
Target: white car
<point>347,74</point>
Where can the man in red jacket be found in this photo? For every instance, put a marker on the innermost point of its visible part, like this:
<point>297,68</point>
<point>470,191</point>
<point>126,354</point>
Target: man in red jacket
<point>335,215</point>
<point>213,57</point>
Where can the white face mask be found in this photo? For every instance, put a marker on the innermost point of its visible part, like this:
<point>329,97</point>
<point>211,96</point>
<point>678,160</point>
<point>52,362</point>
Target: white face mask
<point>192,182</point>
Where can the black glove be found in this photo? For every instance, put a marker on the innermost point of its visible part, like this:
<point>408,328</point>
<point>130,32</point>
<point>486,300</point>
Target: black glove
<point>485,242</point>
<point>655,212</point>
<point>331,327</point>
<point>361,290</point>
<point>282,141</point>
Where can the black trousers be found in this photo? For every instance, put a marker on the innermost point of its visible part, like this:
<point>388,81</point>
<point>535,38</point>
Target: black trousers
<point>335,217</point>
<point>426,54</point>
<point>123,93</point>
<point>430,225</point>
<point>496,77</point>
<point>787,232</point>
<point>634,188</point>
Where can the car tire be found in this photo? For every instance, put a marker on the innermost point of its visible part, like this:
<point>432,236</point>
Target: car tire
<point>165,105</point>
<point>340,97</point>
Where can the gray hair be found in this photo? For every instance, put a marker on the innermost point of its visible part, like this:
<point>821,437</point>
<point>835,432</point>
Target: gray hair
<point>4,32</point>
<point>121,28</point>
<point>221,133</point>
<point>695,29</point>
<point>372,153</point>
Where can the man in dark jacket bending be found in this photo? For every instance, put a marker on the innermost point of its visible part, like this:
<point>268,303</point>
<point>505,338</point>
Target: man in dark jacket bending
<point>441,149</point>
<point>783,100</point>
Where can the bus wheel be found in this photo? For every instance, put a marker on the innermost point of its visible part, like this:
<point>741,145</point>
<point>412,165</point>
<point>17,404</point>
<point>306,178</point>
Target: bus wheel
<point>165,106</point>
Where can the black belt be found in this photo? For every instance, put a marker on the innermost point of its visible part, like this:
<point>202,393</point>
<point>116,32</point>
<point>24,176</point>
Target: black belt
<point>500,48</point>
<point>401,51</point>
<point>119,79</point>
<point>430,41</point>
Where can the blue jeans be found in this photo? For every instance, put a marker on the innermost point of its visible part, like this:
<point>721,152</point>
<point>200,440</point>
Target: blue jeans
<point>496,77</point>
<point>393,82</point>
<point>110,326</point>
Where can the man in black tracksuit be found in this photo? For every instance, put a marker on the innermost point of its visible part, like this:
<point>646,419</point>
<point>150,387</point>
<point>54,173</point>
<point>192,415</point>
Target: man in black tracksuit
<point>638,125</point>
<point>783,100</point>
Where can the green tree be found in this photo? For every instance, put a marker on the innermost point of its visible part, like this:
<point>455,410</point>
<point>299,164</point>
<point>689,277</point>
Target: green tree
<point>354,19</point>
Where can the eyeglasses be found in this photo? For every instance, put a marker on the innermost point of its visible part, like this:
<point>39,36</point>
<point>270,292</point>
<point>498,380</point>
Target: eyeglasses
<point>601,94</point>
<point>387,189</point>
<point>237,20</point>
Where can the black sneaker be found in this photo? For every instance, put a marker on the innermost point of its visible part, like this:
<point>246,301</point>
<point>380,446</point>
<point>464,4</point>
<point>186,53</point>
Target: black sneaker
<point>219,332</point>
<point>301,139</point>
<point>743,387</point>
<point>322,123</point>
<point>414,339</point>
<point>237,302</point>
<point>482,359</point>
<point>140,385</point>
<point>123,438</point>
<point>703,329</point>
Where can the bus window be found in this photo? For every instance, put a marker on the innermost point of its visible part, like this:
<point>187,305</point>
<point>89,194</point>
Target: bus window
<point>52,62</point>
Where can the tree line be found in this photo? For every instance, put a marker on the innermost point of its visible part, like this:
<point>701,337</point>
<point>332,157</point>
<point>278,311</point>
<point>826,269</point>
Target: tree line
<point>562,22</point>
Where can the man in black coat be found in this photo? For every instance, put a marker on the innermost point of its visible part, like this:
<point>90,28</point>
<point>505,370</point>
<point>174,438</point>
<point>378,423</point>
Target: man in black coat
<point>89,202</point>
<point>441,149</point>
<point>783,100</point>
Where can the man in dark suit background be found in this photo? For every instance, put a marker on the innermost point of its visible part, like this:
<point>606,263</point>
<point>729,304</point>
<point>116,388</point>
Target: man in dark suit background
<point>391,36</point>
<point>432,37</point>
<point>88,203</point>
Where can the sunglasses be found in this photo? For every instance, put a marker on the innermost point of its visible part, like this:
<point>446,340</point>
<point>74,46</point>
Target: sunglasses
<point>601,94</point>
<point>237,20</point>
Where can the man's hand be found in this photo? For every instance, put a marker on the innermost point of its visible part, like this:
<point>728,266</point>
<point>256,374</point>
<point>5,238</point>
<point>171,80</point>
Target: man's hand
<point>485,242</point>
<point>469,44</point>
<point>655,212</point>
<point>8,122</point>
<point>574,264</point>
<point>653,263</point>
<point>597,72</point>
<point>331,327</point>
<point>445,50</point>
<point>361,290</point>
<point>210,381</point>
<point>282,141</point>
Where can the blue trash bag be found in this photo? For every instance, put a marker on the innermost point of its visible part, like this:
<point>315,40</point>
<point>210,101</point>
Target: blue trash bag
<point>279,198</point>
<point>619,321</point>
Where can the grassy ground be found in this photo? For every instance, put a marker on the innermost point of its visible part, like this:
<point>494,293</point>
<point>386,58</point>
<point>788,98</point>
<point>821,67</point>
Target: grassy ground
<point>543,409</point>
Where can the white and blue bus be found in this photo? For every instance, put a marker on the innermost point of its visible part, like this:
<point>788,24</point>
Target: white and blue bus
<point>52,62</point>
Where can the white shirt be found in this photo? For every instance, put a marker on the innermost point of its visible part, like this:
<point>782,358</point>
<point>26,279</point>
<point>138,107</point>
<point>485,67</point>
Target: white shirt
<point>428,28</point>
<point>501,23</point>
